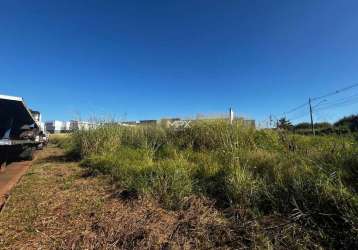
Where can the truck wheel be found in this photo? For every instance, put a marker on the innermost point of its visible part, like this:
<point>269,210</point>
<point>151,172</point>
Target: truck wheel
<point>27,154</point>
<point>2,165</point>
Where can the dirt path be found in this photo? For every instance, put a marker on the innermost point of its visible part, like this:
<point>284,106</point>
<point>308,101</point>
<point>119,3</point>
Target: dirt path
<point>9,177</point>
<point>55,206</point>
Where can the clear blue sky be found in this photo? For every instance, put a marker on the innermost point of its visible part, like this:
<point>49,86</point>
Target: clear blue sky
<point>152,59</point>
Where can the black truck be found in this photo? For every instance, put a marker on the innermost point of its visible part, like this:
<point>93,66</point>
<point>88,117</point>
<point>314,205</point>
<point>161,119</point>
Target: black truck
<point>20,131</point>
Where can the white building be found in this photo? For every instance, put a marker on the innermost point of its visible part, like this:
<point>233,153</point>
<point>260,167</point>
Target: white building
<point>81,125</point>
<point>67,126</point>
<point>54,126</point>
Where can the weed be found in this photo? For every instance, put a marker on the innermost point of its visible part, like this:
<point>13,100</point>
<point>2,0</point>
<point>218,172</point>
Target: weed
<point>310,181</point>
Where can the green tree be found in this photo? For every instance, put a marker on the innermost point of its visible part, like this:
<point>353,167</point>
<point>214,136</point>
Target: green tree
<point>285,124</point>
<point>350,122</point>
<point>303,125</point>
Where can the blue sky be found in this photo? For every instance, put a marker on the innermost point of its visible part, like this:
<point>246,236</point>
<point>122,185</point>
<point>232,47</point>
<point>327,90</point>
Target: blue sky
<point>152,59</point>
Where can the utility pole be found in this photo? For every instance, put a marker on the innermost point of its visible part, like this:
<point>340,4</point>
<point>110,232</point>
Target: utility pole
<point>312,124</point>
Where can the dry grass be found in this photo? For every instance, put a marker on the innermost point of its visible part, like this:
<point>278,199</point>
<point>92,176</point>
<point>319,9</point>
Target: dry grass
<point>237,189</point>
<point>309,183</point>
<point>56,206</point>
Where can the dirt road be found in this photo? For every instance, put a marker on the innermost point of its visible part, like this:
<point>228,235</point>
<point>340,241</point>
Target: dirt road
<point>9,177</point>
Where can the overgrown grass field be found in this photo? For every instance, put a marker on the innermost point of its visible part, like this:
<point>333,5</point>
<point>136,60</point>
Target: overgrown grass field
<point>302,190</point>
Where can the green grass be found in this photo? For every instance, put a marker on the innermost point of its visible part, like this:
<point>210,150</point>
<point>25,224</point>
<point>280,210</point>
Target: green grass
<point>311,181</point>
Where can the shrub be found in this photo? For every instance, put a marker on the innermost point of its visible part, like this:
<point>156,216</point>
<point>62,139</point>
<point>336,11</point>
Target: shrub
<point>311,181</point>
<point>242,188</point>
<point>106,138</point>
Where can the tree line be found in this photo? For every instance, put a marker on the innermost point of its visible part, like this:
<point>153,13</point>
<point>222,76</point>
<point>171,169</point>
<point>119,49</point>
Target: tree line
<point>346,125</point>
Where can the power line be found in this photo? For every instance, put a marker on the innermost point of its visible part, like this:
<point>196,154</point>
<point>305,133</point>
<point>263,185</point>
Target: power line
<point>340,100</point>
<point>337,103</point>
<point>318,98</point>
<point>335,92</point>
<point>295,109</point>
<point>291,110</point>
<point>298,117</point>
<point>341,104</point>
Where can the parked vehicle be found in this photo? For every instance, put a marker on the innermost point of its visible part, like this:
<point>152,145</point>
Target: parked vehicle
<point>20,131</point>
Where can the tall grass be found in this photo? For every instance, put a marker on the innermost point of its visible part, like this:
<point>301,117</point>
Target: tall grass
<point>311,181</point>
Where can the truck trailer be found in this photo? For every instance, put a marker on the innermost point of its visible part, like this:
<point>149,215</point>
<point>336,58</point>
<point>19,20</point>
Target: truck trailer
<point>20,131</point>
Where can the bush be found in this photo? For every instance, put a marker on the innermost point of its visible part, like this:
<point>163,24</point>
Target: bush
<point>168,181</point>
<point>309,180</point>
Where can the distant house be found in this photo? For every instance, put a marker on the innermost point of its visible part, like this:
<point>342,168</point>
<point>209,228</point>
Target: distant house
<point>81,125</point>
<point>142,122</point>
<point>148,122</point>
<point>67,126</point>
<point>55,126</point>
<point>183,123</point>
<point>246,122</point>
<point>130,123</point>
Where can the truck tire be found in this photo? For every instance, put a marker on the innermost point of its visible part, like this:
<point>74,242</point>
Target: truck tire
<point>2,165</point>
<point>27,154</point>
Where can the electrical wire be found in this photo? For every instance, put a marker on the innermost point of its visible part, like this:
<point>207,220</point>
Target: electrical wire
<point>342,101</point>
<point>301,115</point>
<point>298,117</point>
<point>335,92</point>
<point>284,114</point>
<point>338,101</point>
<point>295,109</point>
<point>338,105</point>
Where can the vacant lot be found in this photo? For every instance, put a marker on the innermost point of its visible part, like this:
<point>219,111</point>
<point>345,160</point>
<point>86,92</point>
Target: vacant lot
<point>57,206</point>
<point>297,190</point>
<point>212,185</point>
